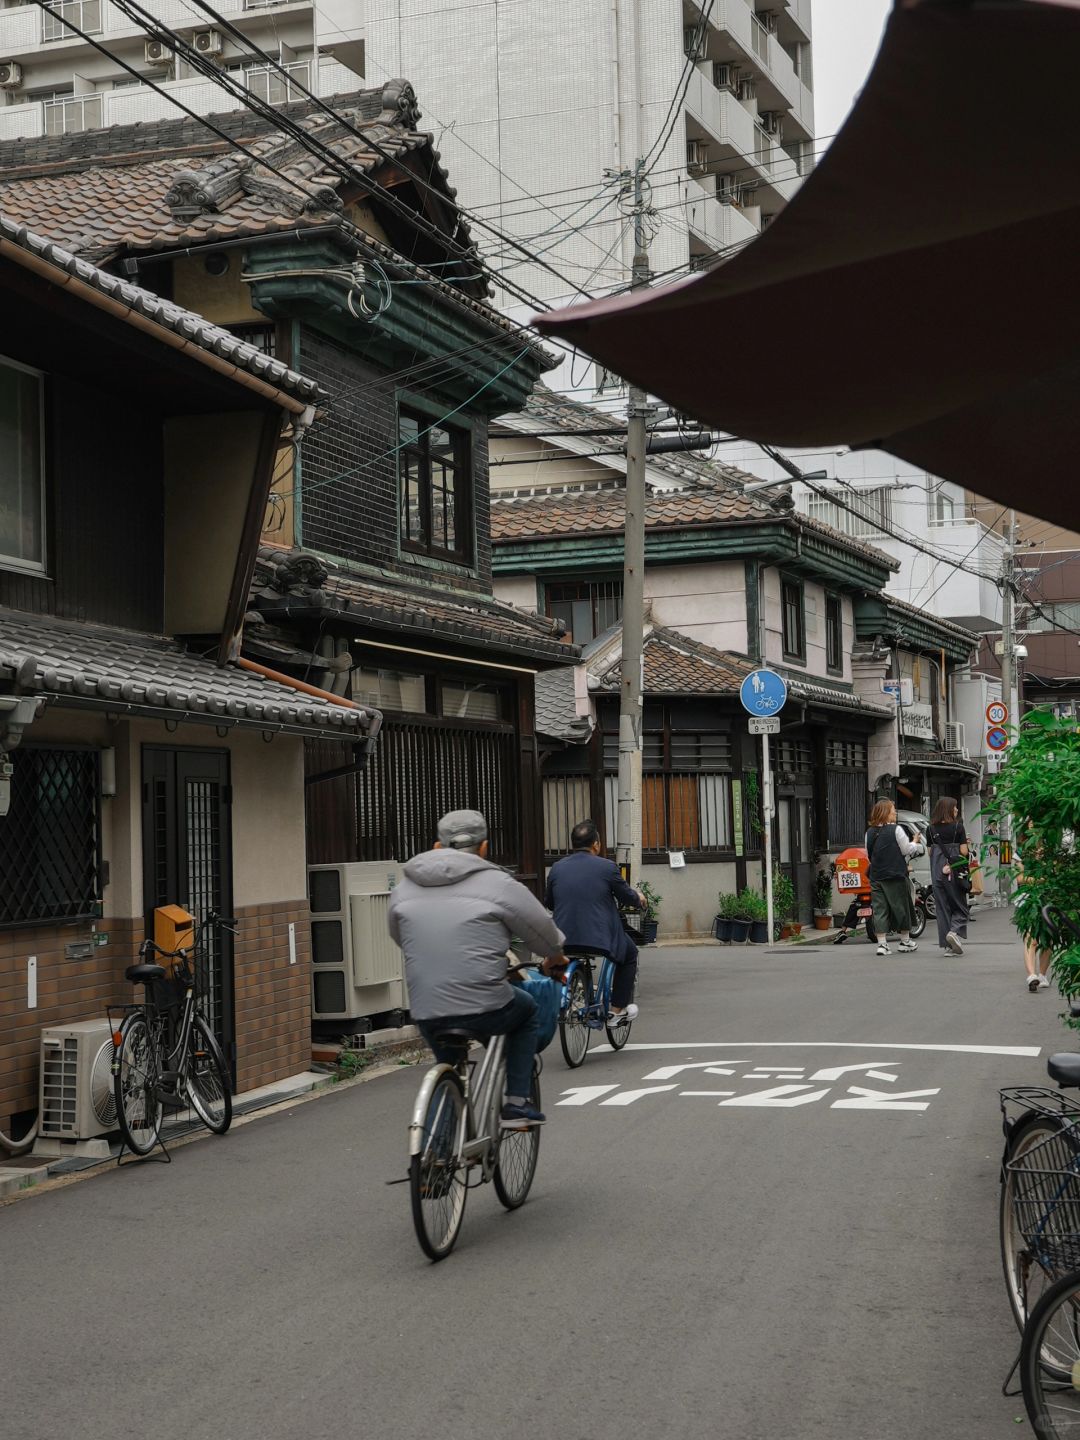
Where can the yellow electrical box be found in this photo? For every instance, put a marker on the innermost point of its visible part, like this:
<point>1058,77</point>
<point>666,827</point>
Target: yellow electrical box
<point>174,928</point>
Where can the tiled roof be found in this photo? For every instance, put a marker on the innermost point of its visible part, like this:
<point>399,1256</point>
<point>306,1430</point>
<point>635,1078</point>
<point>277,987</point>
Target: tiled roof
<point>960,631</point>
<point>556,714</point>
<point>117,669</point>
<point>589,512</point>
<point>297,579</point>
<point>677,665</point>
<point>185,323</point>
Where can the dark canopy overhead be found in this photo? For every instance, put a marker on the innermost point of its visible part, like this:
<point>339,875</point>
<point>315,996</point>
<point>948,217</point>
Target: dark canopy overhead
<point>921,290</point>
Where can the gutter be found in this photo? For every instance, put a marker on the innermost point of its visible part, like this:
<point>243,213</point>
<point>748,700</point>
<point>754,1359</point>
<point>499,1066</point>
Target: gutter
<point>56,276</point>
<point>305,689</point>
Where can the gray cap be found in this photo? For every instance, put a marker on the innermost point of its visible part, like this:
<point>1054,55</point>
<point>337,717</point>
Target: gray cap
<point>463,830</point>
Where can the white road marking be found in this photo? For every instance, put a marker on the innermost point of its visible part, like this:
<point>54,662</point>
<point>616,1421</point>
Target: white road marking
<point>668,1072</point>
<point>834,1072</point>
<point>878,1100</point>
<point>1031,1051</point>
<point>880,1075</point>
<point>780,1095</point>
<point>705,1092</point>
<point>627,1097</point>
<point>582,1094</point>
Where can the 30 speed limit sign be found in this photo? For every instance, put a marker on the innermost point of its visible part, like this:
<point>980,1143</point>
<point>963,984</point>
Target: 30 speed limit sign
<point>997,713</point>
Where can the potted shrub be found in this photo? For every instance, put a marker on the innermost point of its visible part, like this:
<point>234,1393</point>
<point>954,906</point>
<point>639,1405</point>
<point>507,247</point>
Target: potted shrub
<point>728,904</point>
<point>823,900</point>
<point>759,917</point>
<point>650,923</point>
<point>742,917</point>
<point>784,905</point>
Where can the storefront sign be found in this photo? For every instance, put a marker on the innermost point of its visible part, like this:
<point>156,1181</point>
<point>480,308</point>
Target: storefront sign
<point>918,721</point>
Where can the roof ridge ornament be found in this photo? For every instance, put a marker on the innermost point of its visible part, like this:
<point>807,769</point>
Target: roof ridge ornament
<point>400,102</point>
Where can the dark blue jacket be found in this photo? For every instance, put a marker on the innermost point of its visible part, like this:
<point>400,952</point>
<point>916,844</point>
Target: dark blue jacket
<point>583,891</point>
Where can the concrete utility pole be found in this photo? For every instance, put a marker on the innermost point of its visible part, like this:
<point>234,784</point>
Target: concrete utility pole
<point>628,826</point>
<point>1008,673</point>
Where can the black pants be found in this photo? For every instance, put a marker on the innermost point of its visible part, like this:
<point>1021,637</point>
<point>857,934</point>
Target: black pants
<point>625,977</point>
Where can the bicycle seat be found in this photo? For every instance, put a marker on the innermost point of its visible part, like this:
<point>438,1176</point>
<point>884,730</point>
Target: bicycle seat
<point>453,1037</point>
<point>143,974</point>
<point>584,952</point>
<point>1065,1069</point>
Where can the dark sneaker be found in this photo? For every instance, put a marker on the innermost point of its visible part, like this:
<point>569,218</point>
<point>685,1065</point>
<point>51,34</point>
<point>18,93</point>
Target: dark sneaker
<point>518,1117</point>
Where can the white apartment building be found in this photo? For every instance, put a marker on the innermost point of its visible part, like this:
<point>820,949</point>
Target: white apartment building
<point>53,82</point>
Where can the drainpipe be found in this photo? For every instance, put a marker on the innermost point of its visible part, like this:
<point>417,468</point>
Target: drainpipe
<point>305,689</point>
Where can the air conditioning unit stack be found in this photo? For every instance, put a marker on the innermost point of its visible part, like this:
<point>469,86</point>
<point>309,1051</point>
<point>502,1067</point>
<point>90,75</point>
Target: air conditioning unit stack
<point>724,76</point>
<point>76,1100</point>
<point>207,42</point>
<point>157,53</point>
<point>11,75</point>
<point>697,156</point>
<point>772,122</point>
<point>955,739</point>
<point>356,969</point>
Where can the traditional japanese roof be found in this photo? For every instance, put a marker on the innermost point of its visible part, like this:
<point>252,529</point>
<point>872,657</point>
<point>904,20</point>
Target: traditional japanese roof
<point>128,672</point>
<point>190,327</point>
<point>883,614</point>
<point>556,713</point>
<point>294,583</point>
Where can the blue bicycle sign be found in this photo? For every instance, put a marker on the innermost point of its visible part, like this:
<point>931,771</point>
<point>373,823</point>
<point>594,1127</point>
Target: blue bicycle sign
<point>763,692</point>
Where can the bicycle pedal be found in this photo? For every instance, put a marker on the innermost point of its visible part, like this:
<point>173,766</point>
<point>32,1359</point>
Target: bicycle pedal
<point>403,1181</point>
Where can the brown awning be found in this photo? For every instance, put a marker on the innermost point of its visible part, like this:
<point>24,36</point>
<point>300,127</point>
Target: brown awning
<point>920,293</point>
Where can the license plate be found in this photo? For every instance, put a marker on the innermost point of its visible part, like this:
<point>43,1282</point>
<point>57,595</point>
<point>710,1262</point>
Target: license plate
<point>865,914</point>
<point>849,880</point>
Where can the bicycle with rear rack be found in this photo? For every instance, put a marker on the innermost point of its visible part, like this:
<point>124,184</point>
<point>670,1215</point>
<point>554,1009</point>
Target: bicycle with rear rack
<point>458,1140</point>
<point>586,1000</point>
<point>165,1054</point>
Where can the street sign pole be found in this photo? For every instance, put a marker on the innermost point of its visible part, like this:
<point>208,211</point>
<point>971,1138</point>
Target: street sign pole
<point>767,806</point>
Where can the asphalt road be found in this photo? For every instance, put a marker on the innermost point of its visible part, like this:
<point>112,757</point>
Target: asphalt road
<point>684,1267</point>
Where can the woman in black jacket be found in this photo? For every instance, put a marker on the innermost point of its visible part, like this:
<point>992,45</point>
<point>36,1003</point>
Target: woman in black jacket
<point>889,849</point>
<point>948,862</point>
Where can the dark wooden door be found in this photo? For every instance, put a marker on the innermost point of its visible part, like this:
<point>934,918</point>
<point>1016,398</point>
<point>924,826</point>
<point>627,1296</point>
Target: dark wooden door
<point>794,841</point>
<point>187,860</point>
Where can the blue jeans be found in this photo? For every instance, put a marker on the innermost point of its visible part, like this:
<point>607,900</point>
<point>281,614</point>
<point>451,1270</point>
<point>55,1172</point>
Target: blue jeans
<point>517,1020</point>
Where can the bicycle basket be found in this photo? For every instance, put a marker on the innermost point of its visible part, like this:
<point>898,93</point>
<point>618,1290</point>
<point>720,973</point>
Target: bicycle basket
<point>1046,1199</point>
<point>167,995</point>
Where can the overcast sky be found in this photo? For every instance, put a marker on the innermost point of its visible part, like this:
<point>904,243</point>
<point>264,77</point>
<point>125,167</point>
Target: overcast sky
<point>846,38</point>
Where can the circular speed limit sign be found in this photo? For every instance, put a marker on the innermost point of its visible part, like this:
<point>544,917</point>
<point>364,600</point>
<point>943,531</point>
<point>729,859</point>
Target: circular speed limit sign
<point>997,713</point>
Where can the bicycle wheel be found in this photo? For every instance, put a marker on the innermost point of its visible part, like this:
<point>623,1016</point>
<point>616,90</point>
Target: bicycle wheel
<point>574,1031</point>
<point>516,1164</point>
<point>920,920</point>
<point>135,1086</point>
<point>1025,1278</point>
<point>618,1035</point>
<point>207,1080</point>
<point>436,1175</point>
<point>1050,1361</point>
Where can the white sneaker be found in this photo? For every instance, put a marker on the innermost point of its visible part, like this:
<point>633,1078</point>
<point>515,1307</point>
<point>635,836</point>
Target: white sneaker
<point>1033,983</point>
<point>883,949</point>
<point>624,1017</point>
<point>1044,982</point>
<point>952,940</point>
<point>907,946</point>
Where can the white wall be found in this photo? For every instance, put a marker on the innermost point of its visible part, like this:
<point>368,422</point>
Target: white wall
<point>705,602</point>
<point>814,616</point>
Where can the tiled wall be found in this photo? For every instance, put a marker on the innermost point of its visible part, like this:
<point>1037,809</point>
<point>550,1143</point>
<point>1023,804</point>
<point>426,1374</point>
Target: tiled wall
<point>357,517</point>
<point>273,997</point>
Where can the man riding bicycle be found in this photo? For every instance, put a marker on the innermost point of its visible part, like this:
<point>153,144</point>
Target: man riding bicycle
<point>454,915</point>
<point>584,891</point>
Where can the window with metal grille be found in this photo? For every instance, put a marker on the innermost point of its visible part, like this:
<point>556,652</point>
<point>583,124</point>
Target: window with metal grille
<point>834,634</point>
<point>586,607</point>
<point>794,756</point>
<point>86,14</point>
<point>686,787</point>
<point>793,620</point>
<point>845,754</point>
<point>862,514</point>
<point>847,796</point>
<point>50,839</point>
<point>263,337</point>
<point>435,475</point>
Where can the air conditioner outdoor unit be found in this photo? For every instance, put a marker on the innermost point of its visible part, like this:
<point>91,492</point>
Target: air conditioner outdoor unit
<point>207,42</point>
<point>697,156</point>
<point>954,736</point>
<point>156,52</point>
<point>691,41</point>
<point>11,75</point>
<point>727,189</point>
<point>724,76</point>
<point>772,122</point>
<point>75,1097</point>
<point>356,969</point>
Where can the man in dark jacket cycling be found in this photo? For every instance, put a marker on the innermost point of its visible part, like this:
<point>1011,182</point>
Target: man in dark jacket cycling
<point>454,915</point>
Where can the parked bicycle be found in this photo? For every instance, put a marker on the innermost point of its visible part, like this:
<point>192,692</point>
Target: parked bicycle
<point>457,1141</point>
<point>164,1052</point>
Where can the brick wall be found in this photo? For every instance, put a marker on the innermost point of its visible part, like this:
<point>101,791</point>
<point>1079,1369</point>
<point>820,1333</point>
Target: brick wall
<point>272,997</point>
<point>68,990</point>
<point>357,518</point>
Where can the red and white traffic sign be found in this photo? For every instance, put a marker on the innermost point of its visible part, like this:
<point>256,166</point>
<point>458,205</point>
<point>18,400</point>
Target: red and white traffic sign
<point>996,738</point>
<point>997,712</point>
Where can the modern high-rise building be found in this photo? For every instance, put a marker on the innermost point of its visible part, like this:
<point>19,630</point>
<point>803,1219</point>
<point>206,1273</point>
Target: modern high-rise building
<point>537,107</point>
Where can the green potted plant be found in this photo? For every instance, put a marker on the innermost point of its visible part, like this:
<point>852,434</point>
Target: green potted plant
<point>784,904</point>
<point>759,918</point>
<point>651,922</point>
<point>742,918</point>
<point>725,915</point>
<point>823,900</point>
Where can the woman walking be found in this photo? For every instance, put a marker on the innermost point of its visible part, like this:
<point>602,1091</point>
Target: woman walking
<point>948,862</point>
<point>889,849</point>
<point>1028,920</point>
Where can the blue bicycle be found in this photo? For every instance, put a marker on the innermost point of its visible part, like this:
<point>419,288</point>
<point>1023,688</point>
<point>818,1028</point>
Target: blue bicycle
<point>586,1005</point>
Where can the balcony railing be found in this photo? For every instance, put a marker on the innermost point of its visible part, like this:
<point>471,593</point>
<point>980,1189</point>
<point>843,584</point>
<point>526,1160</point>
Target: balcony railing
<point>72,112</point>
<point>86,14</point>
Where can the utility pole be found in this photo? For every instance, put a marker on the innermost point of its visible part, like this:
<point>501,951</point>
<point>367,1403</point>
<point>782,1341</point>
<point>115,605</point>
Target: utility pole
<point>1008,680</point>
<point>628,825</point>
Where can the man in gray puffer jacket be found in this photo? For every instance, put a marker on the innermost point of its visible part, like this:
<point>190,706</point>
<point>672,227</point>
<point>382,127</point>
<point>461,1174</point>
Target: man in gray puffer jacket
<point>454,915</point>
